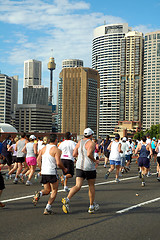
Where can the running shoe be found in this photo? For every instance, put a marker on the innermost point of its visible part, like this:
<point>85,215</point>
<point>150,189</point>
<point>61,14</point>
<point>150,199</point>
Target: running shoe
<point>140,174</point>
<point>96,206</point>
<point>65,206</point>
<point>66,189</point>
<point>7,176</point>
<point>36,198</point>
<point>107,175</point>
<point>149,174</point>
<point>47,211</point>
<point>91,210</point>
<point>15,181</point>
<point>158,178</point>
<point>28,183</point>
<point>105,165</point>
<point>117,180</point>
<point>143,184</point>
<point>2,205</point>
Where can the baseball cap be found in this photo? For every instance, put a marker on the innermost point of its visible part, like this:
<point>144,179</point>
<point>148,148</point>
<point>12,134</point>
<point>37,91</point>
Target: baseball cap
<point>88,132</point>
<point>154,138</point>
<point>32,137</point>
<point>124,139</point>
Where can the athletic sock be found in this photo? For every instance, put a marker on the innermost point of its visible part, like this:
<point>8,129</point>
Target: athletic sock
<point>48,206</point>
<point>41,194</point>
<point>91,206</point>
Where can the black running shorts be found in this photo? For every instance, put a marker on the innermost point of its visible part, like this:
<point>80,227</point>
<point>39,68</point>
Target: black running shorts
<point>158,160</point>
<point>7,160</point>
<point>48,179</point>
<point>20,160</point>
<point>2,186</point>
<point>69,164</point>
<point>86,174</point>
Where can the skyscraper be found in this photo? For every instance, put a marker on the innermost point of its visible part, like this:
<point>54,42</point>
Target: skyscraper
<point>35,95</point>
<point>151,87</point>
<point>32,72</point>
<point>72,63</point>
<point>78,99</point>
<point>131,77</point>
<point>106,59</point>
<point>8,90</point>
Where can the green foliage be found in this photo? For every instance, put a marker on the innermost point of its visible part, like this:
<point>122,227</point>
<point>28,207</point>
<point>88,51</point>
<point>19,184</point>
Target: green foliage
<point>154,131</point>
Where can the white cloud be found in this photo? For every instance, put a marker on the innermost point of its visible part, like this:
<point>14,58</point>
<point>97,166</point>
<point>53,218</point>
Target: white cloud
<point>144,28</point>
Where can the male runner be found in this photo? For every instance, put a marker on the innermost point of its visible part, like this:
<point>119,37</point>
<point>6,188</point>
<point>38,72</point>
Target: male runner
<point>48,160</point>
<point>20,155</point>
<point>85,168</point>
<point>67,147</point>
<point>145,152</point>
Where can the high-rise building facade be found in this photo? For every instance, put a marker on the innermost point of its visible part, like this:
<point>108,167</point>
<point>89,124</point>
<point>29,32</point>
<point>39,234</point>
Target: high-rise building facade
<point>78,99</point>
<point>151,86</point>
<point>72,63</point>
<point>131,77</point>
<point>106,59</point>
<point>35,95</point>
<point>33,118</point>
<point>32,72</point>
<point>8,88</point>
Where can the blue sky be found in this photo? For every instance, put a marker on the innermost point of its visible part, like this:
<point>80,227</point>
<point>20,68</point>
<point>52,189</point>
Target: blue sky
<point>30,29</point>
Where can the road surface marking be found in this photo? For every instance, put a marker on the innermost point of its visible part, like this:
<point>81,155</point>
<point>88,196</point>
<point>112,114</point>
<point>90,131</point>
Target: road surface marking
<point>138,205</point>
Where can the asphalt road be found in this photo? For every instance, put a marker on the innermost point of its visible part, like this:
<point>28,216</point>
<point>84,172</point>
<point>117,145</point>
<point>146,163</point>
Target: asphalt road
<point>122,214</point>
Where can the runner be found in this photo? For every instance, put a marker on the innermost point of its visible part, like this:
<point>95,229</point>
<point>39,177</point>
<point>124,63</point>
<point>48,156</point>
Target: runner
<point>85,168</point>
<point>20,156</point>
<point>31,150</point>
<point>14,157</point>
<point>67,147</point>
<point>158,161</point>
<point>153,146</point>
<point>6,155</point>
<point>114,157</point>
<point>125,149</point>
<point>145,151</point>
<point>48,160</point>
<point>2,186</point>
<point>44,143</point>
<point>106,151</point>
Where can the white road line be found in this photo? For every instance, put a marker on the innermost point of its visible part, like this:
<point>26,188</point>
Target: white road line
<point>138,205</point>
<point>62,190</point>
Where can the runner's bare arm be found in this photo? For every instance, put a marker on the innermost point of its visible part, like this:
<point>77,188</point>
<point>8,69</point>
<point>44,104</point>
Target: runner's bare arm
<point>58,160</point>
<point>138,148</point>
<point>90,149</point>
<point>119,148</point>
<point>109,147</point>
<point>75,151</point>
<point>39,160</point>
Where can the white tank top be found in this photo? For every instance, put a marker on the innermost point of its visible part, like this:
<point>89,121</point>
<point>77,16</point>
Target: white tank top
<point>114,154</point>
<point>83,162</point>
<point>49,166</point>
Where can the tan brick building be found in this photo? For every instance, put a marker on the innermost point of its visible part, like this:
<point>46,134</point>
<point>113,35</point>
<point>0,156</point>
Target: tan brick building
<point>78,99</point>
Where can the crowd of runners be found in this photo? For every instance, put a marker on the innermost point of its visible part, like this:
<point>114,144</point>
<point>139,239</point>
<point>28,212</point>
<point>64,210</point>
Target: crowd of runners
<point>24,155</point>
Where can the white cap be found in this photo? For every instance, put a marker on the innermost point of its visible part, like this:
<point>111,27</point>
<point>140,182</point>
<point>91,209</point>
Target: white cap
<point>124,139</point>
<point>32,137</point>
<point>88,132</point>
